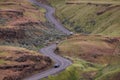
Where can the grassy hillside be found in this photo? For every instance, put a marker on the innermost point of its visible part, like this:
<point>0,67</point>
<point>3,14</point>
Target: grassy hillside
<point>94,58</point>
<point>24,24</point>
<point>16,63</point>
<point>87,17</point>
<point>93,48</point>
<point>92,0</point>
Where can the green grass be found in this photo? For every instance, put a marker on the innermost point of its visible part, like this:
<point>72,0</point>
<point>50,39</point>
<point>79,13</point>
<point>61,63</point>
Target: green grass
<point>109,73</point>
<point>92,0</point>
<point>3,53</point>
<point>69,74</point>
<point>2,61</point>
<point>75,71</point>
<point>3,22</point>
<point>116,2</point>
<point>83,18</point>
<point>80,68</point>
<point>106,67</point>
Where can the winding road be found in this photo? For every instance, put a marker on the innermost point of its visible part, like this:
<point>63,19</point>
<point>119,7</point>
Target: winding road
<point>50,17</point>
<point>49,50</point>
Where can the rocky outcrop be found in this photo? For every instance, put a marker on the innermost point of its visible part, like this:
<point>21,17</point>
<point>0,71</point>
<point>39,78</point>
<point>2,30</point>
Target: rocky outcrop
<point>25,68</point>
<point>14,66</point>
<point>111,40</point>
<point>100,12</point>
<point>33,58</point>
<point>14,77</point>
<point>12,33</point>
<point>26,23</point>
<point>20,63</point>
<point>8,3</point>
<point>11,13</point>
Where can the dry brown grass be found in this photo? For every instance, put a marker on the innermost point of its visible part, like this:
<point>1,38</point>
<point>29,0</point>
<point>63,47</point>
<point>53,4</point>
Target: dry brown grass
<point>30,12</point>
<point>93,48</point>
<point>17,63</point>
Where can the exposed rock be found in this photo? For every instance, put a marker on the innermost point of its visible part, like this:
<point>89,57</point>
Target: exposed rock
<point>26,23</point>
<point>12,33</point>
<point>14,77</point>
<point>15,66</point>
<point>11,13</point>
<point>111,40</point>
<point>20,63</point>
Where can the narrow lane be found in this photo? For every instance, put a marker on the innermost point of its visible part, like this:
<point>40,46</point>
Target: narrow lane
<point>50,17</point>
<point>49,50</point>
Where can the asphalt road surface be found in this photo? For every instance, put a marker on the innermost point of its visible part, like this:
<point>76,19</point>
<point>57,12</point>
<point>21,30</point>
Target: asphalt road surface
<point>49,50</point>
<point>50,17</point>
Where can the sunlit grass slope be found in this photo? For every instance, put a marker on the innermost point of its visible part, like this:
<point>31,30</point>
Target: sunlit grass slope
<point>89,17</point>
<point>92,58</point>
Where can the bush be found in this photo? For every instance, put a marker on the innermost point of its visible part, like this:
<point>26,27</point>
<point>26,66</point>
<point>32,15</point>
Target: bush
<point>71,74</point>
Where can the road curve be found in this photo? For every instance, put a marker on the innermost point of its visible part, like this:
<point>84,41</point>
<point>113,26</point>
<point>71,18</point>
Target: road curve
<point>49,50</point>
<point>50,17</point>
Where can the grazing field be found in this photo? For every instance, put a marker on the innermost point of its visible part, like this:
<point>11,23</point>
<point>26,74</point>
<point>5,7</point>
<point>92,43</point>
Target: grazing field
<point>92,48</point>
<point>94,57</point>
<point>88,17</point>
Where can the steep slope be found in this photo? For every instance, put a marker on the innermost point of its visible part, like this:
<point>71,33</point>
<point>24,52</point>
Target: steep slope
<point>92,48</point>
<point>24,24</point>
<point>16,63</point>
<point>89,16</point>
<point>94,57</point>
